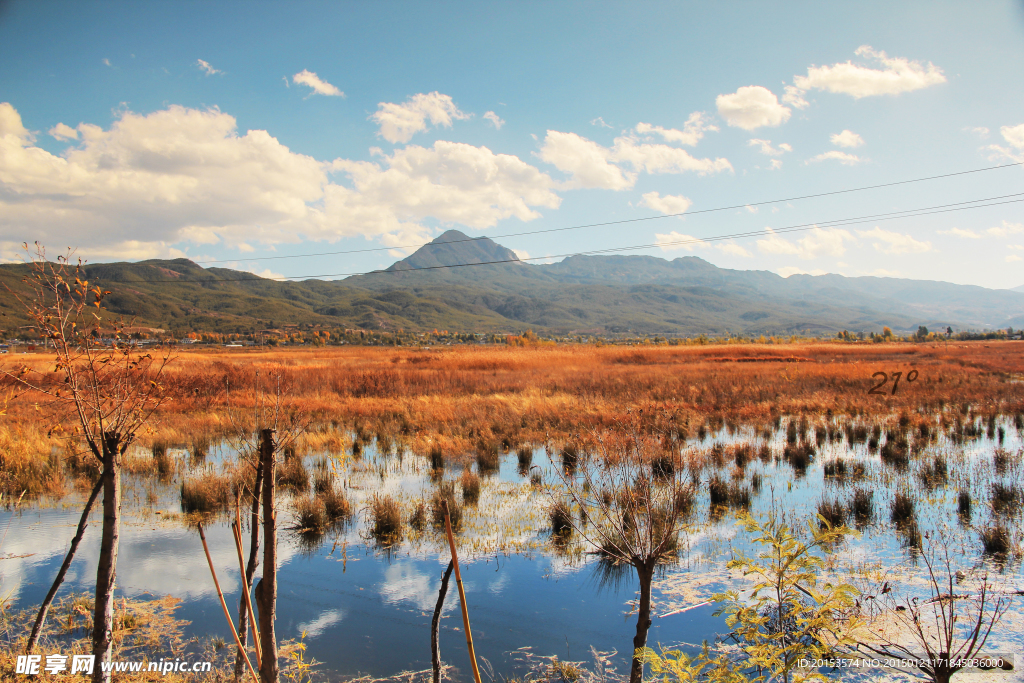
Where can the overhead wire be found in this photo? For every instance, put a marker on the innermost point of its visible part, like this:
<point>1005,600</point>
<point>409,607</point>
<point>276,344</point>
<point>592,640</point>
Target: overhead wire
<point>624,220</point>
<point>894,215</point>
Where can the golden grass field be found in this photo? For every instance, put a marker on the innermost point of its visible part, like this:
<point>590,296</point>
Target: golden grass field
<point>460,398</point>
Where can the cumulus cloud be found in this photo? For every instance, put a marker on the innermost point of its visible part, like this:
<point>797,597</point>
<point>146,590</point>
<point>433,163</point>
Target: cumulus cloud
<point>1013,257</point>
<point>847,139</point>
<point>319,86</point>
<point>63,132</point>
<point>494,119</point>
<point>981,131</point>
<point>693,130</point>
<point>210,71</point>
<point>677,241</point>
<point>766,147</point>
<point>669,204</point>
<point>399,122</point>
<point>654,158</point>
<point>897,75</point>
<point>794,96</point>
<point>752,106</point>
<point>1006,229</point>
<point>958,232</point>
<point>818,242</point>
<point>600,122</point>
<point>894,243</point>
<point>588,162</point>
<point>1014,136</point>
<point>182,174</point>
<point>844,158</point>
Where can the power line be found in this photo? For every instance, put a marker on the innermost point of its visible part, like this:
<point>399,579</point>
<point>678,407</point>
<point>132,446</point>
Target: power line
<point>623,221</point>
<point>908,213</point>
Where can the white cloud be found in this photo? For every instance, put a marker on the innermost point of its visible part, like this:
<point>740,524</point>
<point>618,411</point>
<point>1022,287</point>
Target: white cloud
<point>319,86</point>
<point>313,629</point>
<point>1014,135</point>
<point>399,122</point>
<point>1015,247</point>
<point>663,158</point>
<point>693,130</point>
<point>205,66</point>
<point>668,205</point>
<point>587,161</point>
<point>899,75</point>
<point>894,242</point>
<point>847,139</point>
<point>842,157</point>
<point>882,272</point>
<point>793,270</point>
<point>958,232</point>
<point>766,147</point>
<point>523,255</point>
<point>1006,229</point>
<point>266,273</point>
<point>600,122</point>
<point>818,242</point>
<point>63,132</point>
<point>675,241</point>
<point>1013,257</point>
<point>776,165</point>
<point>188,175</point>
<point>495,119</point>
<point>106,61</point>
<point>752,106</point>
<point>795,96</point>
<point>751,209</point>
<point>981,131</point>
<point>733,249</point>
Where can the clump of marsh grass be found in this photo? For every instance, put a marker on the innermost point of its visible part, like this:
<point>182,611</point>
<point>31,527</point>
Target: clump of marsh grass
<point>683,500</point>
<point>663,465</point>
<point>1000,459</point>
<point>336,505</point>
<point>445,492</point>
<point>385,518</point>
<point>570,458</point>
<point>1005,497</point>
<point>764,453</point>
<point>524,455</point>
<point>862,507</point>
<point>741,455</point>
<point>832,511</point>
<point>323,476</point>
<point>488,458</point>
<point>963,506</point>
<point>470,487</point>
<point>718,492</point>
<point>310,514</point>
<point>560,515</point>
<point>199,448</point>
<point>418,518</point>
<point>902,510</point>
<point>995,540</point>
<point>293,474</point>
<point>798,457</point>
<point>835,469</point>
<point>935,473</point>
<point>895,452</point>
<point>205,494</point>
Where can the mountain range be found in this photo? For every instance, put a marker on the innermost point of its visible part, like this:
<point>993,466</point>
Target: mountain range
<point>460,283</point>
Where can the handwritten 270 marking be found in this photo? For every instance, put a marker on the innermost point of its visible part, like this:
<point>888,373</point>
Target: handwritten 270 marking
<point>877,389</point>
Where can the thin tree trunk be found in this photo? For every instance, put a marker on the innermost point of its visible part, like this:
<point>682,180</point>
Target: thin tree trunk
<point>435,646</point>
<point>643,621</point>
<point>44,608</point>
<point>266,591</point>
<point>250,567</point>
<point>103,615</point>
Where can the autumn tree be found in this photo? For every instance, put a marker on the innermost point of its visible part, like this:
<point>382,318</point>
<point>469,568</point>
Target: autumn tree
<point>102,390</point>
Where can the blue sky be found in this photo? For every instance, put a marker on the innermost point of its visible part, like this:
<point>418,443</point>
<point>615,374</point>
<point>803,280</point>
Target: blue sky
<point>238,131</point>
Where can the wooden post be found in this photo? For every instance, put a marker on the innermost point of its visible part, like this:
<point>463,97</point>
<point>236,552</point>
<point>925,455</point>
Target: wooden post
<point>266,589</point>
<point>236,530</point>
<point>462,592</point>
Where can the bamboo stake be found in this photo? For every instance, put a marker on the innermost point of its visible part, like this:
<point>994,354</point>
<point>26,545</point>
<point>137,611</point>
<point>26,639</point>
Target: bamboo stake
<point>462,592</point>
<point>236,530</point>
<point>223,604</point>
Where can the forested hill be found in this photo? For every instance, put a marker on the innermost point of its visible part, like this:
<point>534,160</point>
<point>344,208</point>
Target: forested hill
<point>604,295</point>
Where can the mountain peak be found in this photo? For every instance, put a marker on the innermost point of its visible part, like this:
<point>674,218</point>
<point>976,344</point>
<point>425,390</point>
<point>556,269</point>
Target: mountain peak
<point>452,248</point>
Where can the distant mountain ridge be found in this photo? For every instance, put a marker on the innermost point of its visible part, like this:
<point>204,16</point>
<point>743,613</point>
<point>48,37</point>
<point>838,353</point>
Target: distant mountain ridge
<point>587,294</point>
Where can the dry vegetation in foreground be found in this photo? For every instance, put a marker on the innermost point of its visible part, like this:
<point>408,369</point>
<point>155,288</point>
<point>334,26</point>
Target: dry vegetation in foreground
<point>465,402</point>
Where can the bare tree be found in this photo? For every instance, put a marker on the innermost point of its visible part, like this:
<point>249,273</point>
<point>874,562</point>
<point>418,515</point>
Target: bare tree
<point>939,635</point>
<point>104,384</point>
<point>629,496</point>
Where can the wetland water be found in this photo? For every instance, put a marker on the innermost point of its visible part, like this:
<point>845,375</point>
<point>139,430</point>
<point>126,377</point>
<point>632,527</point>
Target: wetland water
<point>366,610</point>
